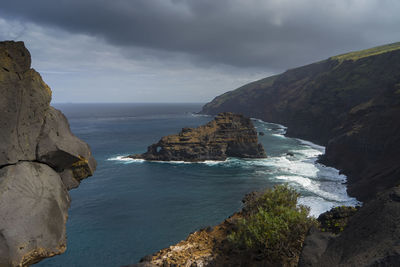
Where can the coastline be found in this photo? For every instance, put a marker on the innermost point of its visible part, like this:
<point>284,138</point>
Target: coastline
<point>196,248</point>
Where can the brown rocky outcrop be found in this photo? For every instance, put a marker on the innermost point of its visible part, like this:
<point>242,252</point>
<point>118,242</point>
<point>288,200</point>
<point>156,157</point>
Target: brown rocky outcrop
<point>228,135</point>
<point>40,159</point>
<point>211,246</point>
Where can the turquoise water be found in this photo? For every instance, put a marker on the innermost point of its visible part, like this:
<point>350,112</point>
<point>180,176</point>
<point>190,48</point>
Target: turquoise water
<point>131,208</point>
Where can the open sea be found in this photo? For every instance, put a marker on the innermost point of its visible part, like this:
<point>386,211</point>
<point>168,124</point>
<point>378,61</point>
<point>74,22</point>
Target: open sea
<point>131,208</point>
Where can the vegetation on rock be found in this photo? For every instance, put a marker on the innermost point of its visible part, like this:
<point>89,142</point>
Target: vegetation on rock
<point>269,231</point>
<point>336,219</point>
<point>368,52</point>
<point>275,226</point>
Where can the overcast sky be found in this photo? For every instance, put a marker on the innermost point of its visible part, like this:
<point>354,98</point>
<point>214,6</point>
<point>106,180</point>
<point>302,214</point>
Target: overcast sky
<point>185,50</point>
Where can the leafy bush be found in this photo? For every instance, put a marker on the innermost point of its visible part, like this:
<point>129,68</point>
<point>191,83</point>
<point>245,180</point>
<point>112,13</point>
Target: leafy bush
<point>274,226</point>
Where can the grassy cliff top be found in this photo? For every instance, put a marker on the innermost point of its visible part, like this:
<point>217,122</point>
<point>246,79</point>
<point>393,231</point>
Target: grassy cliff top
<point>368,52</point>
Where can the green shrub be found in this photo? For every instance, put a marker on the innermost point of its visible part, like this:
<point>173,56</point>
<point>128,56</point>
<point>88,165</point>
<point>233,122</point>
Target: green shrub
<point>274,225</point>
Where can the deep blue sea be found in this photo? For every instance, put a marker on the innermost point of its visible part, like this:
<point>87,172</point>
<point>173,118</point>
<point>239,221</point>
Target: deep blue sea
<point>131,208</point>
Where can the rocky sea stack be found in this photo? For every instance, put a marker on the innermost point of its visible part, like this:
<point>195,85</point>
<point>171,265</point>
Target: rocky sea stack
<point>40,160</point>
<point>228,135</point>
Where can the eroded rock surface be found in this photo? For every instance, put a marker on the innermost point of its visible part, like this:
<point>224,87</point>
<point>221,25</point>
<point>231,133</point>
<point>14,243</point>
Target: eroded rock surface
<point>228,135</point>
<point>39,160</point>
<point>63,151</point>
<point>24,100</point>
<point>33,206</point>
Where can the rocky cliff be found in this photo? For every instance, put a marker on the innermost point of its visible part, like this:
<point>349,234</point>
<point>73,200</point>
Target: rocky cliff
<point>370,238</point>
<point>228,135</point>
<point>348,103</point>
<point>351,104</point>
<point>40,160</point>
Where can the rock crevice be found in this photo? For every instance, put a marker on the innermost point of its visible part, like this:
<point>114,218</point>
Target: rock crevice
<point>40,160</point>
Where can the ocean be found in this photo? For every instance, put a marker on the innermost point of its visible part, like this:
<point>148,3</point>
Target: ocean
<point>131,208</point>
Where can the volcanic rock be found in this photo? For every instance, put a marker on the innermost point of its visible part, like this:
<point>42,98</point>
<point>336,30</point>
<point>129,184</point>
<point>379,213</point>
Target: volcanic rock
<point>24,100</point>
<point>39,160</point>
<point>349,103</point>
<point>33,206</point>
<point>370,238</point>
<point>228,135</point>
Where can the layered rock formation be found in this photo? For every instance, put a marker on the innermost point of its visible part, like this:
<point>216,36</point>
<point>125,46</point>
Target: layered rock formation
<point>228,135</point>
<point>40,159</point>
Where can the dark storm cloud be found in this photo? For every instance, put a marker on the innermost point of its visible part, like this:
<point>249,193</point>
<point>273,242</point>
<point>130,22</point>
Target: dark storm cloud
<point>271,34</point>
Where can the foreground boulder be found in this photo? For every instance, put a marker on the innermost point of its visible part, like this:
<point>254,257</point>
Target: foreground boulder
<point>40,159</point>
<point>228,135</point>
<point>33,206</point>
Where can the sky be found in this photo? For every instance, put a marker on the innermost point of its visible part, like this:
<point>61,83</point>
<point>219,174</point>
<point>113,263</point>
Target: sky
<point>185,50</point>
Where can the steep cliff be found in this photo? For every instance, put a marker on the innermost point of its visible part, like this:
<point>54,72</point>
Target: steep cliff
<point>349,103</point>
<point>40,159</point>
<point>228,135</point>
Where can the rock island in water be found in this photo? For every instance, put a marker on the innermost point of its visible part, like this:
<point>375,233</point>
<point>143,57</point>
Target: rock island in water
<point>228,135</point>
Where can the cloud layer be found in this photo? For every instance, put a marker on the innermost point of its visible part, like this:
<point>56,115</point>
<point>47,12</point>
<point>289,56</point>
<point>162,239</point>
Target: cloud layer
<point>254,36</point>
<point>273,34</point>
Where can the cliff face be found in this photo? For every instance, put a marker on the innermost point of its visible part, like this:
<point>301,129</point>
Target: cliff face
<point>349,103</point>
<point>40,159</point>
<point>228,135</point>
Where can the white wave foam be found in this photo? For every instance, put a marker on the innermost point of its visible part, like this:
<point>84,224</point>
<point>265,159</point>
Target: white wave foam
<point>214,162</point>
<point>311,186</point>
<point>278,129</point>
<point>278,135</point>
<point>329,173</point>
<point>317,205</point>
<point>200,115</point>
<point>301,171</point>
<point>309,153</point>
<point>287,166</point>
<point>125,159</point>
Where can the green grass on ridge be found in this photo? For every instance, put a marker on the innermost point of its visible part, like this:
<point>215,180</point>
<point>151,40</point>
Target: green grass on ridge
<point>367,52</point>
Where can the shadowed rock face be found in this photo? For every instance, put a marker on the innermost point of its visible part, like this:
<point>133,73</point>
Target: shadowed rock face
<point>228,135</point>
<point>348,103</point>
<point>371,237</point>
<point>40,159</point>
